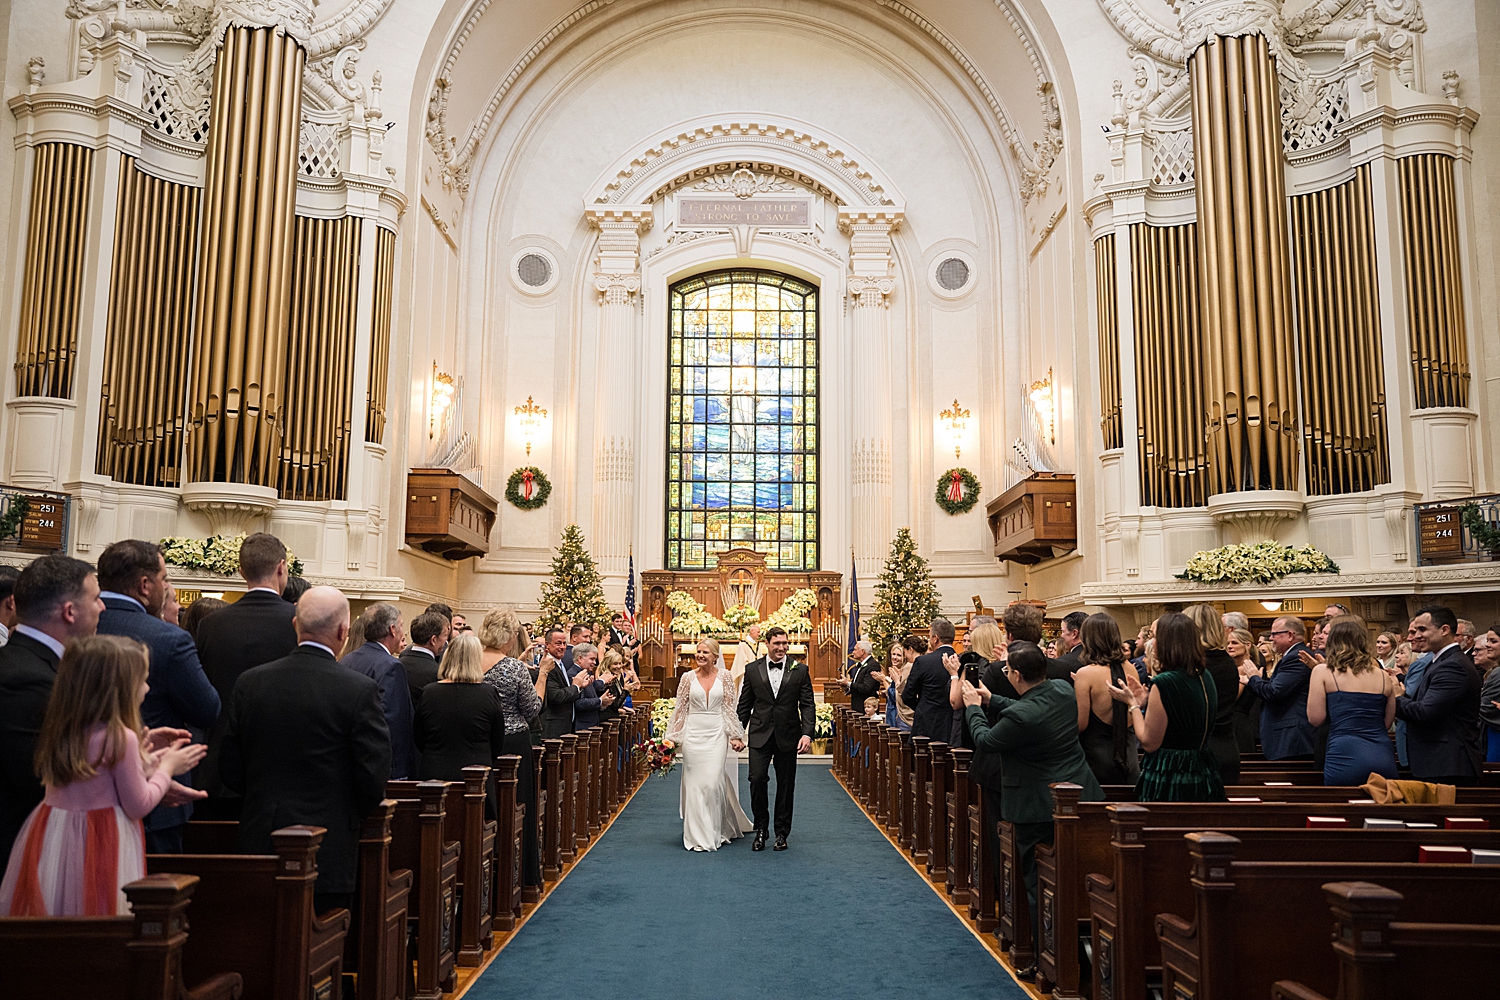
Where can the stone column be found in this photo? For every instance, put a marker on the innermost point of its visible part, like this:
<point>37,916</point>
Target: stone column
<point>870,287</point>
<point>618,282</point>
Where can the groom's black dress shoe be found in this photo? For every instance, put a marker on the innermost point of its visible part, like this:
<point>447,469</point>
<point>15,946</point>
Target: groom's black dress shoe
<point>760,841</point>
<point>780,844</point>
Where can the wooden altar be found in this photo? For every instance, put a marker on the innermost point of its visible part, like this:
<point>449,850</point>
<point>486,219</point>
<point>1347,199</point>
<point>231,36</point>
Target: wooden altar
<point>741,578</point>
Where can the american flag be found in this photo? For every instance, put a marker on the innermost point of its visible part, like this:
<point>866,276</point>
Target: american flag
<point>853,603</point>
<point>630,594</point>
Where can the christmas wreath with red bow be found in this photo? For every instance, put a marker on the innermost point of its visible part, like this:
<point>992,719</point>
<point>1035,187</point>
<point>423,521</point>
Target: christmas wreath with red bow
<point>527,488</point>
<point>957,491</point>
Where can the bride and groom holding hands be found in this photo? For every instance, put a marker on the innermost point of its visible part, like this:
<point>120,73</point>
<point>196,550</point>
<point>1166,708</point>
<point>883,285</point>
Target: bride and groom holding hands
<point>773,714</point>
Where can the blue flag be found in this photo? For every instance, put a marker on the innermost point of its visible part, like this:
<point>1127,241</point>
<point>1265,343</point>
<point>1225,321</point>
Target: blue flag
<point>853,604</point>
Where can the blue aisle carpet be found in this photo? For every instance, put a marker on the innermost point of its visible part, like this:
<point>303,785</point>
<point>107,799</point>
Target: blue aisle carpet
<point>839,915</point>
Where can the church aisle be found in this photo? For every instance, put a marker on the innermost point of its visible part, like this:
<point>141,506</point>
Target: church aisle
<point>840,915</point>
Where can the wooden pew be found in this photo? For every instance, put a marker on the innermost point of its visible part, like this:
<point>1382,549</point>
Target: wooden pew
<point>1381,959</point>
<point>982,864</point>
<point>960,796</point>
<point>253,914</point>
<point>893,782</point>
<point>567,794</point>
<point>418,843</point>
<point>1225,952</point>
<point>135,957</point>
<point>533,893</point>
<point>1149,876</point>
<point>376,946</point>
<point>906,823</point>
<point>921,780</point>
<point>549,801</point>
<point>936,805</point>
<point>476,865</point>
<point>509,824</point>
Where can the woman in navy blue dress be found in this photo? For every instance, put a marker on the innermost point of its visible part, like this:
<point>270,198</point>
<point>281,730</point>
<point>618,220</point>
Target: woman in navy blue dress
<point>1358,700</point>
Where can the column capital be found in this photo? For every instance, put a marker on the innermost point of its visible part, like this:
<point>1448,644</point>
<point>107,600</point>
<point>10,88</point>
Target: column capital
<point>884,218</point>
<point>616,288</point>
<point>636,217</point>
<point>871,290</point>
<point>1203,19</point>
<point>295,17</point>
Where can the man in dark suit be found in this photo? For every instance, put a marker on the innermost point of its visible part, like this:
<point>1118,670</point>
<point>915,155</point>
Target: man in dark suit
<point>376,659</point>
<point>565,684</point>
<point>928,686</point>
<point>8,576</point>
<point>1285,733</point>
<point>776,707</point>
<point>1037,734</point>
<point>57,600</point>
<point>430,632</point>
<point>1069,645</point>
<point>577,635</point>
<point>593,695</point>
<point>861,683</point>
<point>255,629</point>
<point>306,742</point>
<point>133,576</point>
<point>1441,708</point>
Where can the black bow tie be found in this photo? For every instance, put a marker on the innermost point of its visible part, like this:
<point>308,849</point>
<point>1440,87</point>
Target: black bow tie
<point>775,666</point>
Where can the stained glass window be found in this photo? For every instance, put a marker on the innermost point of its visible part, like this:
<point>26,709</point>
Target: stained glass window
<point>742,419</point>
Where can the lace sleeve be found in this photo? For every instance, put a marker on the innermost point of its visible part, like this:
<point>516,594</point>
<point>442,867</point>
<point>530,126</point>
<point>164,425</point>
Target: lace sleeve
<point>732,728</point>
<point>678,724</point>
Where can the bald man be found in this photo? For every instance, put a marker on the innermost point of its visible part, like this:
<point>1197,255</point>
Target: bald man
<point>306,742</point>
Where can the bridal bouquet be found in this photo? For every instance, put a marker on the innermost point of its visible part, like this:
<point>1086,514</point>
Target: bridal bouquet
<point>659,756</point>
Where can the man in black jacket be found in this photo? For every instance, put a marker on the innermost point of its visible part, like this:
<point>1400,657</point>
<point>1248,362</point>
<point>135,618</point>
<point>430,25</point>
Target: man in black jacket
<point>306,742</point>
<point>861,683</point>
<point>1069,645</point>
<point>57,600</point>
<point>1442,708</point>
<point>430,632</point>
<point>928,686</point>
<point>777,709</point>
<point>565,684</point>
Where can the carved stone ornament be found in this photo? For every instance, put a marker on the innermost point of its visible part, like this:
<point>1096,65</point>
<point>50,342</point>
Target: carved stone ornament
<point>230,507</point>
<point>868,292</point>
<point>1256,515</point>
<point>744,183</point>
<point>1202,19</point>
<point>616,289</point>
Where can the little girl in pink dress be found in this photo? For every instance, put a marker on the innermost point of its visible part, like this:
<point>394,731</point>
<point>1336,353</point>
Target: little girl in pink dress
<point>84,842</point>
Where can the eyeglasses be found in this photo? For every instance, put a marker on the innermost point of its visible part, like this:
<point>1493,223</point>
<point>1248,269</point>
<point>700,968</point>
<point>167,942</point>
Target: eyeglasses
<point>1279,632</point>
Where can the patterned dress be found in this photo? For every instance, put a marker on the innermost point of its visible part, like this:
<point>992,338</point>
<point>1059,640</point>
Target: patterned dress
<point>1183,769</point>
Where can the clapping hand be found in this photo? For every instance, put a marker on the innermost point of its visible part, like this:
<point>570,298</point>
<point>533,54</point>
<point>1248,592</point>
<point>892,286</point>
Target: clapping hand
<point>1132,693</point>
<point>1309,658</point>
<point>607,699</point>
<point>163,737</point>
<point>179,757</point>
<point>179,794</point>
<point>583,678</point>
<point>951,664</point>
<point>972,697</point>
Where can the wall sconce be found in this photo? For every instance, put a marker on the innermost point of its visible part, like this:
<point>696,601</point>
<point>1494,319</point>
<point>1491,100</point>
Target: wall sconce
<point>957,419</point>
<point>1271,605</point>
<point>442,398</point>
<point>531,417</point>
<point>1046,405</point>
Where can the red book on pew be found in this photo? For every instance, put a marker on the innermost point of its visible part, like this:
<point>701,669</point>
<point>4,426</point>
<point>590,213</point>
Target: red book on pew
<point>1431,854</point>
<point>1466,823</point>
<point>1327,822</point>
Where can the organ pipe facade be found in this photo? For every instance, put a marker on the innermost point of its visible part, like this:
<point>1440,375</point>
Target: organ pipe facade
<point>52,285</point>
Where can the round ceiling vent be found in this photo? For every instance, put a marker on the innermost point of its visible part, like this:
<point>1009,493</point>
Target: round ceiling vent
<point>535,271</point>
<point>953,274</point>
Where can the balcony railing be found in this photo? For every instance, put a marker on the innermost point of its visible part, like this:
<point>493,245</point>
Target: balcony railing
<point>1446,531</point>
<point>34,520</point>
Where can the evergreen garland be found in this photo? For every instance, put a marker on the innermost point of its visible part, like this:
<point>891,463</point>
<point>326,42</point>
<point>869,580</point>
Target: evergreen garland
<point>575,594</point>
<point>906,599</point>
<point>1486,534</point>
<point>15,514</point>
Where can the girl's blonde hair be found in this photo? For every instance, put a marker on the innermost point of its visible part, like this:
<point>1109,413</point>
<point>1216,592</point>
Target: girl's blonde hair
<point>98,683</point>
<point>463,661</point>
<point>985,639</point>
<point>1210,625</point>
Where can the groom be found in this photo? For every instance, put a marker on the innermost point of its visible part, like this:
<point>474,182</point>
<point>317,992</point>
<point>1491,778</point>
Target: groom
<point>776,707</point>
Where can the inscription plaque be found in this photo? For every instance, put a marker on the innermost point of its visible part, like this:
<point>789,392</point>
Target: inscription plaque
<point>771,213</point>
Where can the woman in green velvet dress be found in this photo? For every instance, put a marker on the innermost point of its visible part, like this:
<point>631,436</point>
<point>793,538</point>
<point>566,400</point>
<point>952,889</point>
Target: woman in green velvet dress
<point>1174,720</point>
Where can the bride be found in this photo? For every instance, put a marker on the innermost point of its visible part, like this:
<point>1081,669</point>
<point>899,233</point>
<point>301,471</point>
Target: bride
<point>706,725</point>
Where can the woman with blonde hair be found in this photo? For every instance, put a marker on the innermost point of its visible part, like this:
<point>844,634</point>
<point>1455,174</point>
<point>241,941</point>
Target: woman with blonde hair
<point>898,714</point>
<point>1240,645</point>
<point>103,773</point>
<point>1358,701</point>
<point>463,723</point>
<point>1226,674</point>
<point>706,725</point>
<point>521,702</point>
<point>1385,649</point>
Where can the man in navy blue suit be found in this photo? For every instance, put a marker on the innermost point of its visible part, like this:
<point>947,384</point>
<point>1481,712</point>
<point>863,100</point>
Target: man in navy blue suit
<point>133,585</point>
<point>377,659</point>
<point>1441,708</point>
<point>1285,733</point>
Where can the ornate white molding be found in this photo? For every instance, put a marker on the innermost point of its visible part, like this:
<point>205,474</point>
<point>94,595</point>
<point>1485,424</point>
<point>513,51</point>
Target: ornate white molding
<point>230,507</point>
<point>1256,515</point>
<point>1200,20</point>
<point>744,183</point>
<point>872,463</point>
<point>615,288</point>
<point>871,291</point>
<point>614,461</point>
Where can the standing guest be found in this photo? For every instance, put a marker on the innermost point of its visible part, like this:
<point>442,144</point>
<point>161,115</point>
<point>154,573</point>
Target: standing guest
<point>430,633</point>
<point>593,696</point>
<point>499,632</point>
<point>1285,733</point>
<point>1037,735</point>
<point>1175,725</point>
<point>614,674</point>
<point>460,721</point>
<point>1487,658</point>
<point>1240,646</point>
<point>577,635</point>
<point>438,607</point>
<point>1385,650</point>
<point>69,860</point>
<point>192,617</point>
<point>1417,661</point>
<point>986,769</point>
<point>1142,640</point>
<point>253,630</point>
<point>622,634</point>
<point>1109,747</point>
<point>894,681</point>
<point>1402,662</point>
<point>171,609</point>
<point>1226,674</point>
<point>133,578</point>
<point>1466,636</point>
<point>460,623</point>
<point>928,684</point>
<point>1069,646</point>
<point>1023,623</point>
<point>564,687</point>
<point>860,683</point>
<point>1235,619</point>
<point>1441,708</point>
<point>57,601</point>
<point>306,742</point>
<point>750,648</point>
<point>295,587</point>
<point>1358,701</point>
<point>8,576</point>
<point>520,701</point>
<point>376,659</point>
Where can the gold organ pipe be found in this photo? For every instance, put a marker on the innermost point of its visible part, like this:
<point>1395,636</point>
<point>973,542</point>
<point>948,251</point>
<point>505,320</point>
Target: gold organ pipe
<point>51,287</point>
<point>380,336</point>
<point>1109,342</point>
<point>1438,340</point>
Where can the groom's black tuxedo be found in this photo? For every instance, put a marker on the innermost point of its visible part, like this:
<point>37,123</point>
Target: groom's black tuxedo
<point>776,721</point>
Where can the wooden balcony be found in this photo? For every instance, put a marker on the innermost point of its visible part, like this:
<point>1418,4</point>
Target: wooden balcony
<point>1035,519</point>
<point>447,514</point>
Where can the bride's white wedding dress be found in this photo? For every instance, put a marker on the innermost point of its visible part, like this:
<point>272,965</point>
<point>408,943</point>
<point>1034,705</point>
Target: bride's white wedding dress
<point>702,724</point>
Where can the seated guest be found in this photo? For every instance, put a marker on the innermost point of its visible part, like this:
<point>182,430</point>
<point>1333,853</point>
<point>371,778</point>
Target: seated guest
<point>1285,733</point>
<point>1175,725</point>
<point>1110,747</point>
<point>1069,645</point>
<point>893,681</point>
<point>1037,735</point>
<point>459,719</point>
<point>376,659</point>
<point>1358,700</point>
<point>1441,708</point>
<point>860,683</point>
<point>57,601</point>
<point>193,615</point>
<point>8,576</point>
<point>1240,646</point>
<point>306,742</point>
<point>133,576</point>
<point>430,632</point>
<point>593,696</point>
<point>1226,674</point>
<point>928,685</point>
<point>563,687</point>
<point>69,861</point>
<point>1487,658</point>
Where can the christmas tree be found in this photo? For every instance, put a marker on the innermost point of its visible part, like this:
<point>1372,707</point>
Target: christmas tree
<point>906,599</point>
<point>575,594</point>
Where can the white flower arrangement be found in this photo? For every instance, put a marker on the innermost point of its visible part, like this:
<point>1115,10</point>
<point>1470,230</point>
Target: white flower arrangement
<point>823,728</point>
<point>1261,562</point>
<point>689,618</point>
<point>218,554</point>
<point>741,617</point>
<point>661,714</point>
<point>792,615</point>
